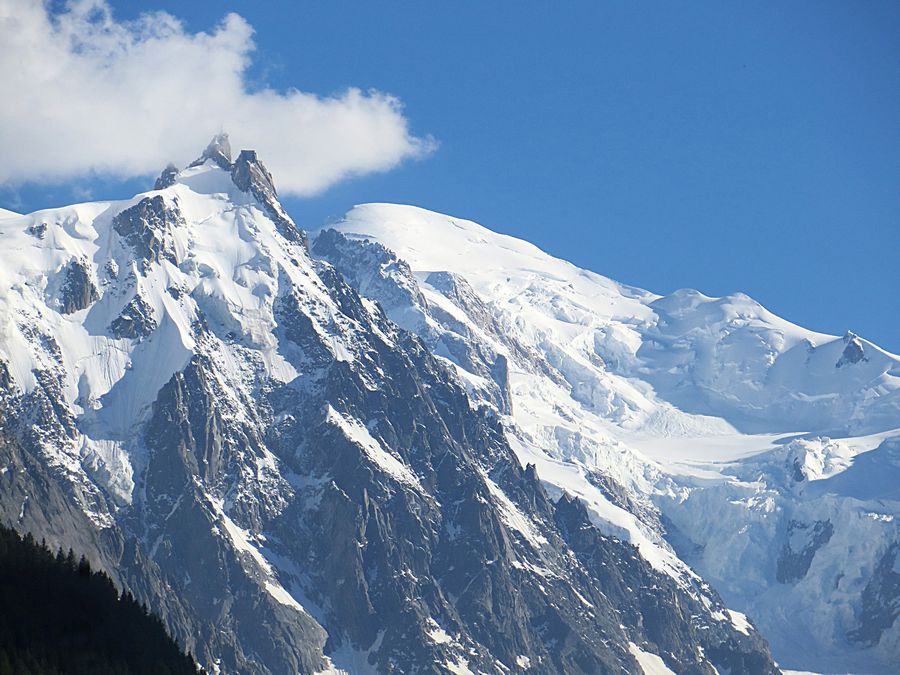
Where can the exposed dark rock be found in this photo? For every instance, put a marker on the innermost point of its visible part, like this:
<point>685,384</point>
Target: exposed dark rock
<point>794,564</point>
<point>112,269</point>
<point>37,230</point>
<point>166,178</point>
<point>880,599</point>
<point>135,321</point>
<point>33,499</point>
<point>500,375</point>
<point>797,472</point>
<point>297,328</point>
<point>662,617</point>
<point>375,272</point>
<point>460,292</point>
<point>218,150</point>
<point>192,445</point>
<point>853,352</point>
<point>78,290</point>
<point>651,604</point>
<point>393,556</point>
<point>348,301</point>
<point>250,175</point>
<point>145,227</point>
<point>645,510</point>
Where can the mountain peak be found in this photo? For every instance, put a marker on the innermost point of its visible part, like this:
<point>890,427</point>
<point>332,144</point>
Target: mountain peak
<point>218,150</point>
<point>167,178</point>
<point>250,175</point>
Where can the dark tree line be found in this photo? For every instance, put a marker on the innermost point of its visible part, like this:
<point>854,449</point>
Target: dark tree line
<point>58,616</point>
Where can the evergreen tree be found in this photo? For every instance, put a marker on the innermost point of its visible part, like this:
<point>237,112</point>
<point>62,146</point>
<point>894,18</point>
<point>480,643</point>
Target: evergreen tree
<point>60,617</point>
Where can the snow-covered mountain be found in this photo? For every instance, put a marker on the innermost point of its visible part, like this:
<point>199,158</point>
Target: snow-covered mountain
<point>293,482</point>
<point>408,443</point>
<point>763,455</point>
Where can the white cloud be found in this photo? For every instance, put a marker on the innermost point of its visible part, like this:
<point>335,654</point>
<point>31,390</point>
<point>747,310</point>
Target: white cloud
<point>81,92</point>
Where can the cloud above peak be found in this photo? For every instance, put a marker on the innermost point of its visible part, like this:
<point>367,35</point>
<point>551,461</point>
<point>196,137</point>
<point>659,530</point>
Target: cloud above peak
<point>82,92</point>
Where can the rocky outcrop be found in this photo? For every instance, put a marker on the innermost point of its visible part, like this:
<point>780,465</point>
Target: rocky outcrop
<point>803,540</point>
<point>218,150</point>
<point>145,228</point>
<point>37,230</point>
<point>135,321</point>
<point>853,351</point>
<point>649,601</point>
<point>881,599</point>
<point>167,178</point>
<point>376,273</point>
<point>372,270</point>
<point>196,458</point>
<point>78,290</point>
<point>250,175</point>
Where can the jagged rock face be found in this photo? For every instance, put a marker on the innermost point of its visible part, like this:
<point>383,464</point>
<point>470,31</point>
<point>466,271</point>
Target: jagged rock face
<point>853,352</point>
<point>251,175</point>
<point>135,321</point>
<point>803,540</point>
<point>374,270</point>
<point>37,230</point>
<point>881,600</point>
<point>378,274</point>
<point>296,483</point>
<point>167,178</point>
<point>146,227</point>
<point>655,603</point>
<point>32,498</point>
<point>78,290</point>
<point>193,456</point>
<point>218,151</point>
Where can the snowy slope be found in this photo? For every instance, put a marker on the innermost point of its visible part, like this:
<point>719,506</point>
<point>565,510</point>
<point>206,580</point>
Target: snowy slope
<point>727,354</point>
<point>761,452</point>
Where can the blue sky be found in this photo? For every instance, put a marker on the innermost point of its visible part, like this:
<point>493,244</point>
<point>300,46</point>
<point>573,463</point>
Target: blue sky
<point>721,146</point>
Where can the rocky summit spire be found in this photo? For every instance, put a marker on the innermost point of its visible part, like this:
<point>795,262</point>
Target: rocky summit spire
<point>250,175</point>
<point>167,177</point>
<point>218,150</point>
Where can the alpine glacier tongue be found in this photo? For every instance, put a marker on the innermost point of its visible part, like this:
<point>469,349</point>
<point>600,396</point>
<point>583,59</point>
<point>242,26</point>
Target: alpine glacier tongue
<point>296,483</point>
<point>705,431</point>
